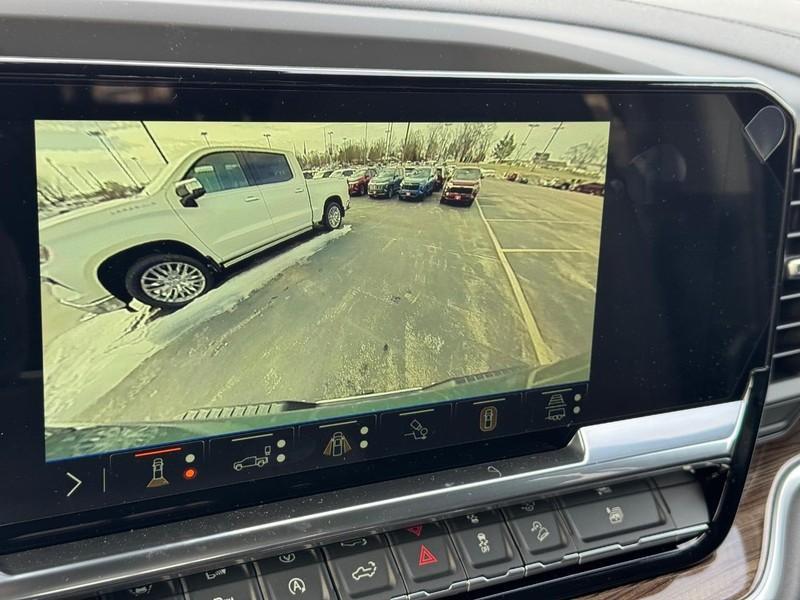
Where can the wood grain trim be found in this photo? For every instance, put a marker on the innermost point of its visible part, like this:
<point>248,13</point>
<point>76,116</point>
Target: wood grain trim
<point>729,572</point>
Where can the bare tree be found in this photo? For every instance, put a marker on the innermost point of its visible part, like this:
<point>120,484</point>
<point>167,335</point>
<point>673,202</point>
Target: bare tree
<point>586,153</point>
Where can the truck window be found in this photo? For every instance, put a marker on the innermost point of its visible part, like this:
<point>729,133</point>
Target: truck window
<point>218,172</point>
<point>267,167</point>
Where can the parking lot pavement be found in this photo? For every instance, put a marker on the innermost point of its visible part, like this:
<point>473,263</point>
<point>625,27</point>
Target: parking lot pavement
<point>414,294</point>
<point>550,239</point>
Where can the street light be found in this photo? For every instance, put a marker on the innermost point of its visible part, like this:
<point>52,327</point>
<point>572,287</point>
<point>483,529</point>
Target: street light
<point>141,168</point>
<point>98,135</point>
<point>269,141</point>
<point>531,127</point>
<point>60,172</point>
<point>204,135</point>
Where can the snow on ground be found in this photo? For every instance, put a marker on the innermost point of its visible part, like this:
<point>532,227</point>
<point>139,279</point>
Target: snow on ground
<point>91,359</point>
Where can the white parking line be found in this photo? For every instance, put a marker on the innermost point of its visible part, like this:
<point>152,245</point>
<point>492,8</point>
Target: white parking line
<point>548,250</point>
<point>558,221</point>
<point>541,350</point>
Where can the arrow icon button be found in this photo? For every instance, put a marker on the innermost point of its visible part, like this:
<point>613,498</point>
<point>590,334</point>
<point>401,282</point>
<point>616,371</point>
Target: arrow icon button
<point>77,481</point>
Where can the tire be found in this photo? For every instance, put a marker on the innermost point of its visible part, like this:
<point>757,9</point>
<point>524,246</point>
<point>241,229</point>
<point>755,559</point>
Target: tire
<point>237,467</point>
<point>334,215</point>
<point>168,280</point>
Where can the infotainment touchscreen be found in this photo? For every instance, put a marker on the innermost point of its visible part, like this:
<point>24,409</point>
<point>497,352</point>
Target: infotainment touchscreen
<point>240,286</point>
<point>459,251</point>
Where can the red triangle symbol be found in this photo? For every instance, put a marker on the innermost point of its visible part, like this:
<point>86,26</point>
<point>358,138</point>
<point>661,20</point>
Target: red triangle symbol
<point>426,557</point>
<point>416,530</point>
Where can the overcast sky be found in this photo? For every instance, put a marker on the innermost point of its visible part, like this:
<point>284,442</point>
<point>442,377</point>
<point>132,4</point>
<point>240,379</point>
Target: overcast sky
<point>66,146</point>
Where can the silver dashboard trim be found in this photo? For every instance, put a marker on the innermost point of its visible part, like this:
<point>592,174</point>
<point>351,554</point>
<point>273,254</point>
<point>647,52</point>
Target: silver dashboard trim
<point>782,510</point>
<point>617,450</point>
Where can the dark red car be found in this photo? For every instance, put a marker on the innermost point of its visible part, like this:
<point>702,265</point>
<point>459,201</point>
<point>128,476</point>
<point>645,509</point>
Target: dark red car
<point>358,182</point>
<point>595,189</point>
<point>463,186</point>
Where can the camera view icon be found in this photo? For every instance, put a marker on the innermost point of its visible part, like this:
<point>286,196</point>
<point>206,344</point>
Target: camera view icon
<point>556,408</point>
<point>418,431</point>
<point>158,479</point>
<point>337,446</point>
<point>259,461</point>
<point>487,420</point>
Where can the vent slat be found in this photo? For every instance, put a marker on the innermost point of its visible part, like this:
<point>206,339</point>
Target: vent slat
<point>786,359</point>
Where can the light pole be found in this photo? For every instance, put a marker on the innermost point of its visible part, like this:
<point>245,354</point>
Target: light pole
<point>269,141</point>
<point>152,139</point>
<point>86,181</point>
<point>60,172</point>
<point>531,127</point>
<point>98,135</point>
<point>330,145</point>
<point>141,168</point>
<point>556,129</point>
<point>204,135</point>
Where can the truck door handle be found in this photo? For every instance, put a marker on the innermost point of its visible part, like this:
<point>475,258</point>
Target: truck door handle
<point>299,190</point>
<point>251,199</point>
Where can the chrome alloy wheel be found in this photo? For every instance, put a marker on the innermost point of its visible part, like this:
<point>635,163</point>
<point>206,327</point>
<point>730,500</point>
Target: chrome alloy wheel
<point>174,282</point>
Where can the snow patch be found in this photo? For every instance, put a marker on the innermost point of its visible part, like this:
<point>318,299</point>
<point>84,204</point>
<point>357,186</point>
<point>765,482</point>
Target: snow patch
<point>91,359</point>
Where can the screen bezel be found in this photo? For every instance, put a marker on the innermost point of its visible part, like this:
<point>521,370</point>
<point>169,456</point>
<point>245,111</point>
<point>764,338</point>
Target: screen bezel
<point>384,87</point>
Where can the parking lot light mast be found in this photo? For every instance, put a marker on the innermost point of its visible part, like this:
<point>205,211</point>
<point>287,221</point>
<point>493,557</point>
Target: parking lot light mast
<point>155,143</point>
<point>556,129</point>
<point>60,172</point>
<point>531,127</point>
<point>86,181</point>
<point>99,183</point>
<point>204,135</point>
<point>141,168</point>
<point>330,142</point>
<point>269,141</point>
<point>101,138</point>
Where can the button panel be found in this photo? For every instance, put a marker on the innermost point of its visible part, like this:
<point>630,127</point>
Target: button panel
<point>301,575</point>
<point>427,559</point>
<point>227,583</point>
<point>485,547</point>
<point>540,532</point>
<point>618,514</point>
<point>363,568</point>
<point>465,552</point>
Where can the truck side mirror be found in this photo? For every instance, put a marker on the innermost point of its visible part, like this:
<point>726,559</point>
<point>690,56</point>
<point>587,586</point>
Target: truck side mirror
<point>189,190</point>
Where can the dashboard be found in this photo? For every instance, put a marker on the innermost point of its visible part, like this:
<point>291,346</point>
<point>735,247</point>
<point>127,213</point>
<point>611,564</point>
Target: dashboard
<point>281,331</point>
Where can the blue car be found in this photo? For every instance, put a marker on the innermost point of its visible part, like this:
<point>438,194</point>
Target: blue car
<point>386,183</point>
<point>418,184</point>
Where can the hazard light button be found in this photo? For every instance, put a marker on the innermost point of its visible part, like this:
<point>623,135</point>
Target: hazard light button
<point>427,559</point>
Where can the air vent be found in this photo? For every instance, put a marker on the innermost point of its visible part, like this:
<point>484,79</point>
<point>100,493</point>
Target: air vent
<point>786,360</point>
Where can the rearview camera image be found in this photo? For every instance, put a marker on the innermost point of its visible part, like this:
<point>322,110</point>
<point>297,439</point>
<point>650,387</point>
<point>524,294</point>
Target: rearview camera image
<point>201,278</point>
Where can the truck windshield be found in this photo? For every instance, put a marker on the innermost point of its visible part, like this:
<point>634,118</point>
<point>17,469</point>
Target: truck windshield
<point>470,174</point>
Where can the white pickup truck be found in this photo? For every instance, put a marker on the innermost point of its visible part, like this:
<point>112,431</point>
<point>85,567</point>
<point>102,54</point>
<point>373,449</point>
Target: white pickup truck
<point>208,210</point>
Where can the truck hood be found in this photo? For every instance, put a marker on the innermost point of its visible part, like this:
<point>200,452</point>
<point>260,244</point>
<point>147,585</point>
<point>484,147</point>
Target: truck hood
<point>106,206</point>
<point>65,441</point>
<point>464,182</point>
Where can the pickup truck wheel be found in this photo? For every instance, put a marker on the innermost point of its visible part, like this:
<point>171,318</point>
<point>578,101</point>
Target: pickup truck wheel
<point>332,219</point>
<point>168,280</point>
